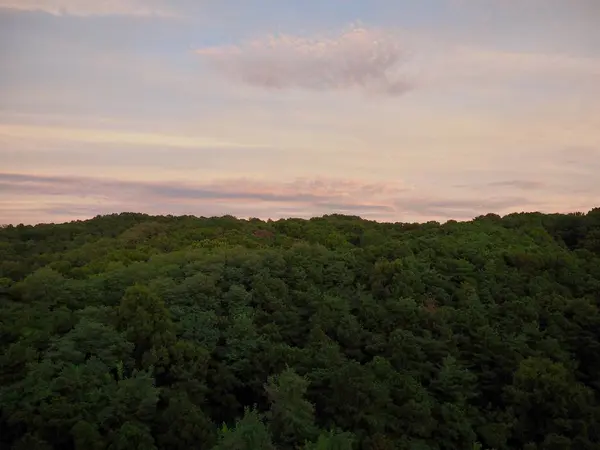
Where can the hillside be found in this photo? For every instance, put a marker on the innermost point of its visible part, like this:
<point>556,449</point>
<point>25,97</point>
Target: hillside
<point>130,331</point>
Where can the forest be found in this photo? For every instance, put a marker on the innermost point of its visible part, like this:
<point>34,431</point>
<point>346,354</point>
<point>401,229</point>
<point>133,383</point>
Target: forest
<point>130,331</point>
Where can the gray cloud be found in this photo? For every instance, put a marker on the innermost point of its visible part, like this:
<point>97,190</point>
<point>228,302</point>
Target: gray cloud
<point>463,209</point>
<point>37,184</point>
<point>585,157</point>
<point>59,197</point>
<point>522,185</point>
<point>525,185</point>
<point>30,198</point>
<point>90,8</point>
<point>359,58</point>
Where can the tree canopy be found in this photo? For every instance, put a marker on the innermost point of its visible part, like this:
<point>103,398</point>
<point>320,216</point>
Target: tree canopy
<point>130,331</point>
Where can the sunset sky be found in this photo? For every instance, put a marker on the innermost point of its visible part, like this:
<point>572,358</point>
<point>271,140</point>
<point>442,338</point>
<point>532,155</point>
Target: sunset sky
<point>393,110</point>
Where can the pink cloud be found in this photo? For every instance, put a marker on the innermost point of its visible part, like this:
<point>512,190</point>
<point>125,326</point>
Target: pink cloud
<point>358,58</point>
<point>31,198</point>
<point>90,7</point>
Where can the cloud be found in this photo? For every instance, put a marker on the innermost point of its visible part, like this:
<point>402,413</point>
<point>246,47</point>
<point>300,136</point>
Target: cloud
<point>376,60</point>
<point>483,62</point>
<point>522,185</point>
<point>90,7</point>
<point>108,136</point>
<point>584,157</point>
<point>477,67</point>
<point>463,209</point>
<point>358,58</point>
<point>32,198</point>
<point>300,190</point>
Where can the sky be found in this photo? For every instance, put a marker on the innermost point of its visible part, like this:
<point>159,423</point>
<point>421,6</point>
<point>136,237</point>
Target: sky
<point>393,110</point>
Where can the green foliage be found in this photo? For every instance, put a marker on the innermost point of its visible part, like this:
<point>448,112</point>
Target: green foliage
<point>130,331</point>
<point>249,433</point>
<point>291,416</point>
<point>331,441</point>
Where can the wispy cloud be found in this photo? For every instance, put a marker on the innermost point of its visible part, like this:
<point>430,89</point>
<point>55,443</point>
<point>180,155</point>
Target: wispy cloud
<point>495,64</point>
<point>521,185</point>
<point>463,209</point>
<point>584,157</point>
<point>24,195</point>
<point>83,135</point>
<point>299,190</point>
<point>476,66</point>
<point>91,7</point>
<point>358,58</point>
<point>32,198</point>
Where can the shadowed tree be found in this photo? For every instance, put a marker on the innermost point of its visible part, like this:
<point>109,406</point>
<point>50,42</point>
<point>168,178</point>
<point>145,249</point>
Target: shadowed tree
<point>291,416</point>
<point>249,433</point>
<point>146,322</point>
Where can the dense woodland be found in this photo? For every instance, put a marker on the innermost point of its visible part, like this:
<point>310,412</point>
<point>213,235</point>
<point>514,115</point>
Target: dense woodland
<point>131,331</point>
